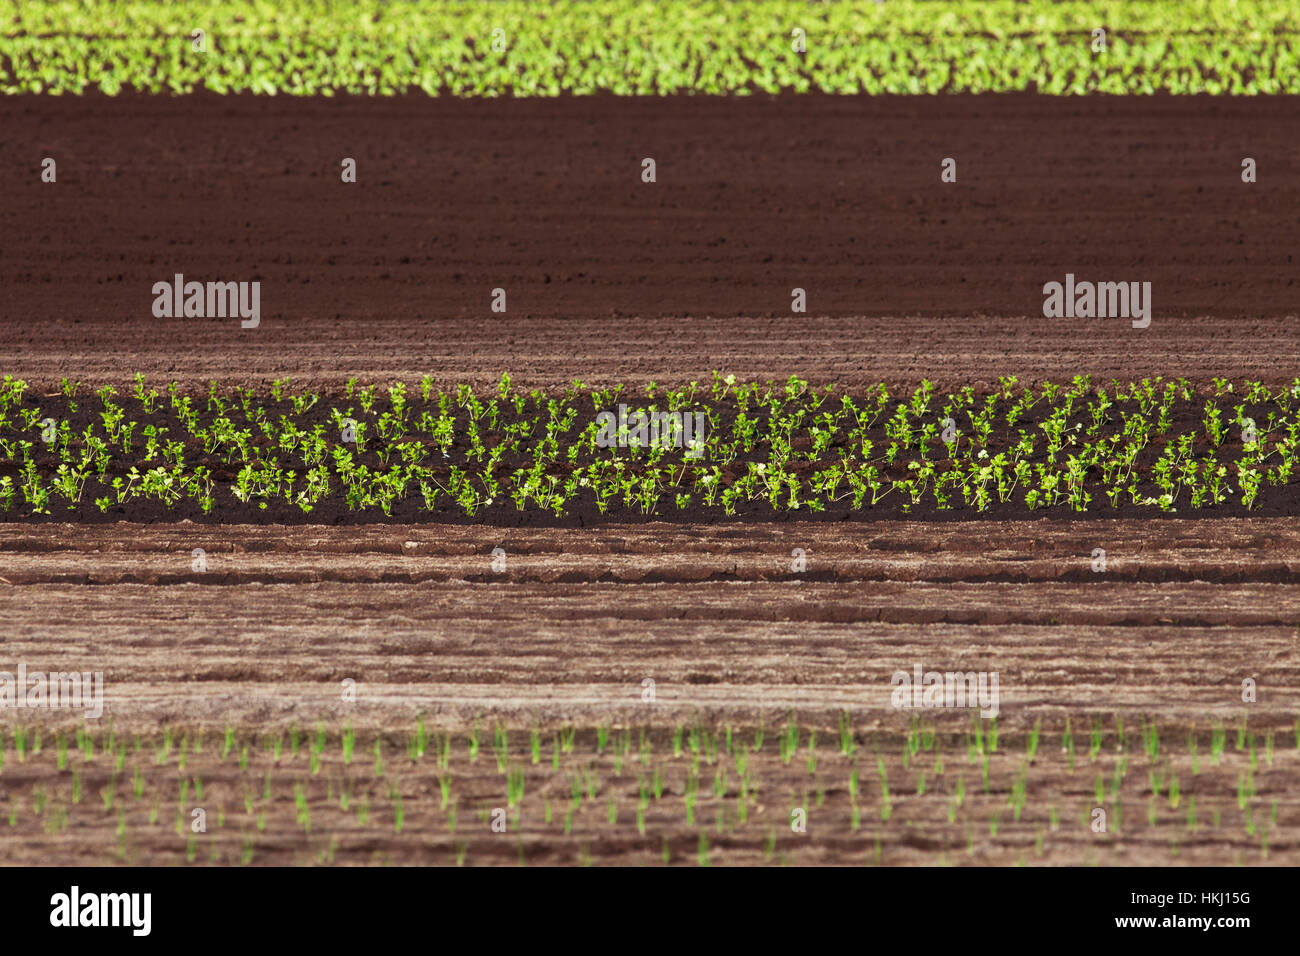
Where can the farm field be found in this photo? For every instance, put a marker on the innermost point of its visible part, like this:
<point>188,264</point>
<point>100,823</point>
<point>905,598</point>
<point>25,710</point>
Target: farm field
<point>734,47</point>
<point>257,646</point>
<point>209,675</point>
<point>366,578</point>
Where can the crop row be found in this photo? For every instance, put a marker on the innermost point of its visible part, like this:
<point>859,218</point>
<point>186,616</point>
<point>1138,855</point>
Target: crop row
<point>243,799</point>
<point>310,47</point>
<point>725,448</point>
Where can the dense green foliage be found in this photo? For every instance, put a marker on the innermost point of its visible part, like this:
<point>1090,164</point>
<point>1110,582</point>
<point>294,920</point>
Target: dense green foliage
<point>546,49</point>
<point>753,449</point>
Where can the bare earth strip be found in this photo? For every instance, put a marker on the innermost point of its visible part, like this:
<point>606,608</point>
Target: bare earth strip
<point>612,279</point>
<point>541,352</point>
<point>1183,611</point>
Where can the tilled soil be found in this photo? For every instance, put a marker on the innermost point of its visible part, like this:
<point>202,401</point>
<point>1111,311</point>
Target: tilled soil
<point>1182,613</point>
<point>261,636</point>
<point>1188,630</point>
<point>612,279</point>
<point>639,801</point>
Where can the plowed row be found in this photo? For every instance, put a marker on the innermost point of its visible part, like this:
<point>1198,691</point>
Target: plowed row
<point>612,279</point>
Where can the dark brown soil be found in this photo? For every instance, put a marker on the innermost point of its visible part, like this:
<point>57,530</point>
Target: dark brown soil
<point>609,278</point>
